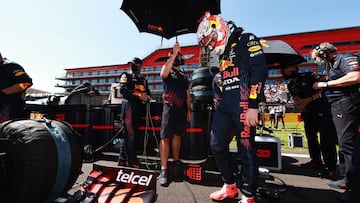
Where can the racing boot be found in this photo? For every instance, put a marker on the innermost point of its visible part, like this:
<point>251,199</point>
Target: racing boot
<point>245,199</point>
<point>228,191</point>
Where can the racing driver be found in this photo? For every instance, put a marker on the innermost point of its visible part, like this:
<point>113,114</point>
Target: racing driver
<point>237,90</point>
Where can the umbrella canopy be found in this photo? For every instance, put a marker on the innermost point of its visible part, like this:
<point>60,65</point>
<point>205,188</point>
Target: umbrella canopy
<point>280,54</point>
<point>168,18</point>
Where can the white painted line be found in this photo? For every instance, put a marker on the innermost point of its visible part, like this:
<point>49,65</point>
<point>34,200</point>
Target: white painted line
<point>295,155</point>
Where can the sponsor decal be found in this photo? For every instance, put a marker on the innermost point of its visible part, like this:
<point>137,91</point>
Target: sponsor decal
<point>123,79</point>
<point>354,64</point>
<point>133,178</point>
<point>140,87</point>
<point>232,87</point>
<point>256,53</point>
<point>230,80</point>
<point>233,45</point>
<point>252,43</point>
<point>228,74</point>
<point>19,73</point>
<point>253,92</point>
<point>156,28</point>
<point>225,64</point>
<point>24,85</point>
<point>246,131</point>
<point>254,48</point>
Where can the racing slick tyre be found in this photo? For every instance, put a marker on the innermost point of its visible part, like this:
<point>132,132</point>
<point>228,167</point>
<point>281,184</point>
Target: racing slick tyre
<point>203,76</point>
<point>45,157</point>
<point>197,140</point>
<point>202,93</point>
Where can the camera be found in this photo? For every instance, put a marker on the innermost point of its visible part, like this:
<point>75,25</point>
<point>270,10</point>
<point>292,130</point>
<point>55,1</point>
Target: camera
<point>301,85</point>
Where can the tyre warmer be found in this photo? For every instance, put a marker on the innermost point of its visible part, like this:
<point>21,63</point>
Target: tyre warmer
<point>116,185</point>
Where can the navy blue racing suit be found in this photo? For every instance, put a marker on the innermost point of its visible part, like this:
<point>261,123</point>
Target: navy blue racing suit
<point>133,109</point>
<point>237,87</point>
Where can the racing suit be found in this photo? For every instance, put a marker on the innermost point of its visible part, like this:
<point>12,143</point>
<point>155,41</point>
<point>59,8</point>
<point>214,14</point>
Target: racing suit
<point>132,109</point>
<point>12,105</point>
<point>237,87</point>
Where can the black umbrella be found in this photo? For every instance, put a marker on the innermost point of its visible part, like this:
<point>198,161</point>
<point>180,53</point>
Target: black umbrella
<point>168,18</point>
<point>280,54</point>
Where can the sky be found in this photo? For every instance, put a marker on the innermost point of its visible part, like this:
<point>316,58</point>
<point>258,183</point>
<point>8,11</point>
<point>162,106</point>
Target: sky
<point>48,36</point>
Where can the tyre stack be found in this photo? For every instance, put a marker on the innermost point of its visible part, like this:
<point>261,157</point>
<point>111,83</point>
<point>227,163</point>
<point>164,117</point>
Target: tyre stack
<point>196,141</point>
<point>40,160</point>
<point>201,84</point>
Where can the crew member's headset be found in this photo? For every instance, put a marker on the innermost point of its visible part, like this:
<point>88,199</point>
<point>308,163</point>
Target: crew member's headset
<point>323,50</point>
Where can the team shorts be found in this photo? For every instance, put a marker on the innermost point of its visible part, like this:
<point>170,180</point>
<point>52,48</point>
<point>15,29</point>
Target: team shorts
<point>174,121</point>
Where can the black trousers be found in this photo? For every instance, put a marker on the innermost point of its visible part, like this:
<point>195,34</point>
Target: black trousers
<point>131,114</point>
<point>317,119</point>
<point>346,117</point>
<point>354,176</point>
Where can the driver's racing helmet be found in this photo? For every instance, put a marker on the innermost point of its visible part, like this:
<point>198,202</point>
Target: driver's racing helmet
<point>213,32</point>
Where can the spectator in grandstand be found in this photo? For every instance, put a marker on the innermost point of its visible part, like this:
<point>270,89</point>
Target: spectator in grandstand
<point>341,90</point>
<point>317,119</point>
<point>13,83</point>
<point>176,112</point>
<point>135,90</point>
<point>276,93</point>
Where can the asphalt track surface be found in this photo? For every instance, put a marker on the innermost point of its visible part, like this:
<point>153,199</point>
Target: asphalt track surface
<point>293,183</point>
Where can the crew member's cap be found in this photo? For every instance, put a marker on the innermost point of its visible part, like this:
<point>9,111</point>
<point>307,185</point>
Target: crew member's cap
<point>136,61</point>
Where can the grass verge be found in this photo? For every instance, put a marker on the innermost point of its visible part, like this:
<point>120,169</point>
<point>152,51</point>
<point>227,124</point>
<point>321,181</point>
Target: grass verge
<point>283,136</point>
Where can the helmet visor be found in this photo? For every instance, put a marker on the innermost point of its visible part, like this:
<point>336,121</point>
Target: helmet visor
<point>209,41</point>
